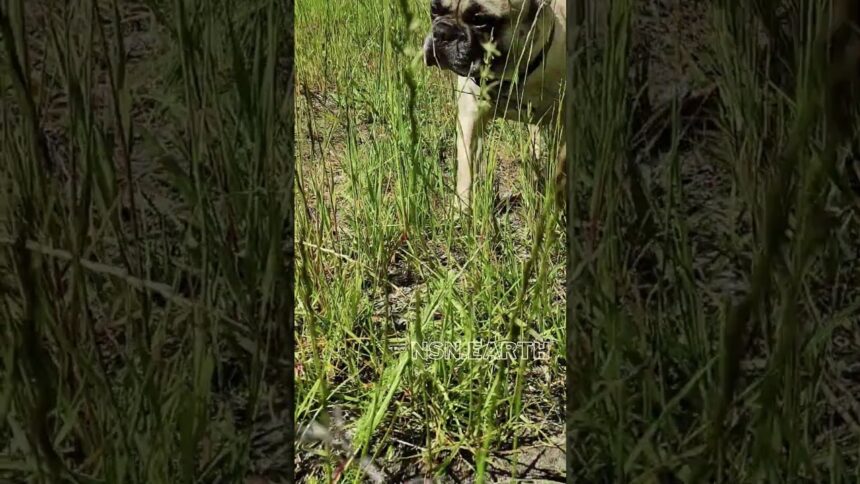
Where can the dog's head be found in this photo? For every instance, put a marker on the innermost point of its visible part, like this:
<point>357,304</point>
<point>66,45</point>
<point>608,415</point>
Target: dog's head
<point>461,29</point>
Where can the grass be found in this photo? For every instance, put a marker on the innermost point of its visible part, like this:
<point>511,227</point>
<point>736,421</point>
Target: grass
<point>709,259</point>
<point>384,264</point>
<point>712,309</point>
<point>146,214</point>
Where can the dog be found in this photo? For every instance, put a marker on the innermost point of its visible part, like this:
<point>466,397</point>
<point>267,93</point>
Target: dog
<point>510,52</point>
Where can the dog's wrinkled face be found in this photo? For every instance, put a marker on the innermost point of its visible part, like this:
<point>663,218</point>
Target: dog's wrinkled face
<point>461,28</point>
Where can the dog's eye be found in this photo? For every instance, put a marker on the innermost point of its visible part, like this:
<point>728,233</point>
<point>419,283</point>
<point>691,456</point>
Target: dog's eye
<point>483,22</point>
<point>437,9</point>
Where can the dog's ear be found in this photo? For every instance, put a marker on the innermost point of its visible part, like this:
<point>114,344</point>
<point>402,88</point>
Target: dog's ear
<point>532,8</point>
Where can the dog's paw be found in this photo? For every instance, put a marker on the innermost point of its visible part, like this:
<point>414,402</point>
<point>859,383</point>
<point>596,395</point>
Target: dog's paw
<point>461,205</point>
<point>506,203</point>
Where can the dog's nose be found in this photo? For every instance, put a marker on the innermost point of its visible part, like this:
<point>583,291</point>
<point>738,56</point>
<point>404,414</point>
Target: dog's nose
<point>446,31</point>
<point>443,34</point>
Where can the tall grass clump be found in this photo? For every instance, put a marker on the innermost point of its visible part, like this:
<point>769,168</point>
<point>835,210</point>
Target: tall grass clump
<point>712,309</point>
<point>146,158</point>
<point>790,152</point>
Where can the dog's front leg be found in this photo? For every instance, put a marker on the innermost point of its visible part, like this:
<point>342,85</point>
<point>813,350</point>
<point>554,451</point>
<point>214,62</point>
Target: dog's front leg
<point>472,120</point>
